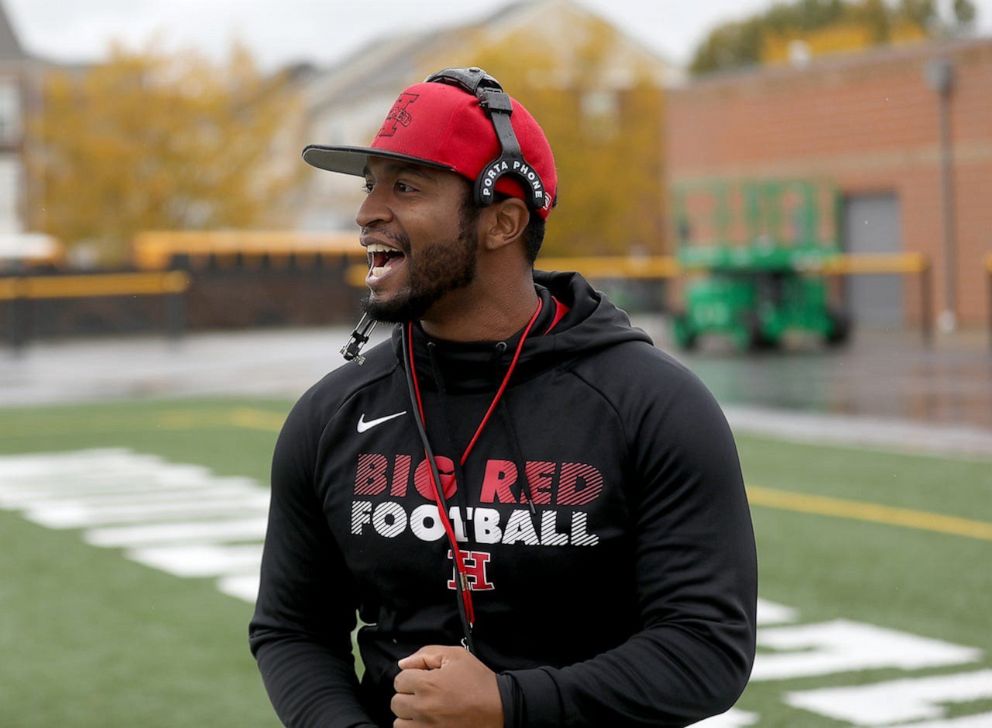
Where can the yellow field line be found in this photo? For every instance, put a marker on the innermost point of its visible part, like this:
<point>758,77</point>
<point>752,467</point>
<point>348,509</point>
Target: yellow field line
<point>759,496</point>
<point>254,419</point>
<point>870,512</point>
<point>251,419</point>
<point>785,500</point>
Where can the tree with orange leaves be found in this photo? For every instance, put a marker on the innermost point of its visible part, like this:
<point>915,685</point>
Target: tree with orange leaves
<point>152,140</point>
<point>601,107</point>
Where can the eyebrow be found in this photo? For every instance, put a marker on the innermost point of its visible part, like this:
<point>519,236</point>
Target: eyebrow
<point>403,168</point>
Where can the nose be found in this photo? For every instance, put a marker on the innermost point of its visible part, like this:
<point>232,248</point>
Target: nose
<point>373,209</point>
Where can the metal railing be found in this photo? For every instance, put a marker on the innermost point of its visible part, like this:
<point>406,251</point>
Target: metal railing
<point>667,267</point>
<point>916,264</point>
<point>155,250</point>
<point>17,291</point>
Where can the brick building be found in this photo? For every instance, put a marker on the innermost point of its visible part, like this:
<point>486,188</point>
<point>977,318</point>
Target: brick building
<point>871,124</point>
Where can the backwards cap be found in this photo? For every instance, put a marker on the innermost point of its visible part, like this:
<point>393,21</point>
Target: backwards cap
<point>444,126</point>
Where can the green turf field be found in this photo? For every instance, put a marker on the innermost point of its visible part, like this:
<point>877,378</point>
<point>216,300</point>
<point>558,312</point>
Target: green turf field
<point>899,547</point>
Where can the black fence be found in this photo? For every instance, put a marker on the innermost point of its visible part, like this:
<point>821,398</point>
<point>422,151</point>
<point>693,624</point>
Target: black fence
<point>217,294</point>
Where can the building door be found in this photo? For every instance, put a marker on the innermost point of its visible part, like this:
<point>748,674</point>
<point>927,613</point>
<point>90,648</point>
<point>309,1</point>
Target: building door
<point>871,224</point>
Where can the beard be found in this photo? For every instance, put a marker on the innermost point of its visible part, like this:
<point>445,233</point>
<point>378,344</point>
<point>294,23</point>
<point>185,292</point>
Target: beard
<point>436,270</point>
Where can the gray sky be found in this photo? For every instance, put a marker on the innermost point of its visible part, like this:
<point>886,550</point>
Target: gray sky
<point>283,31</point>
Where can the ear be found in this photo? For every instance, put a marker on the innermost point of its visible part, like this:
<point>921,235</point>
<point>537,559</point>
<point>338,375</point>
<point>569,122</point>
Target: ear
<point>504,223</point>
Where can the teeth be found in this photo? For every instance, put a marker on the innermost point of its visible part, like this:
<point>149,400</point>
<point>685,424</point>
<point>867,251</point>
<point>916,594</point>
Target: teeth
<point>379,248</point>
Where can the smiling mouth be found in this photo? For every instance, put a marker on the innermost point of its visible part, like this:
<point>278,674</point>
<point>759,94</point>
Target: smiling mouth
<point>381,259</point>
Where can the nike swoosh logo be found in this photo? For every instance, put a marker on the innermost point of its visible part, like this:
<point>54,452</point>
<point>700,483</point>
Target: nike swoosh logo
<point>364,425</point>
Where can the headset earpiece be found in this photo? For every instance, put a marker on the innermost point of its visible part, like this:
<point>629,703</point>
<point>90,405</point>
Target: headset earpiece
<point>510,161</point>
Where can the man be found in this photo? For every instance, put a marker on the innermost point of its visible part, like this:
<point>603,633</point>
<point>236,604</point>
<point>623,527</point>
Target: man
<point>538,516</point>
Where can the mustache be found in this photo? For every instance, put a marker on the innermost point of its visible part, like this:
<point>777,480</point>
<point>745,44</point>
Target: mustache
<point>401,240</point>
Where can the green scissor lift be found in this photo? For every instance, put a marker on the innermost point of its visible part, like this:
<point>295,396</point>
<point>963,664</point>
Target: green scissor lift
<point>754,276</point>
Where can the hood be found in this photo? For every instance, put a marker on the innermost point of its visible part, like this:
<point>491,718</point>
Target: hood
<point>592,323</point>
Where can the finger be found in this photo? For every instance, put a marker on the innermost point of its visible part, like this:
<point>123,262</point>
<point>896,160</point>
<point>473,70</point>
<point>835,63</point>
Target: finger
<point>402,707</point>
<point>407,681</point>
<point>422,659</point>
<point>430,657</point>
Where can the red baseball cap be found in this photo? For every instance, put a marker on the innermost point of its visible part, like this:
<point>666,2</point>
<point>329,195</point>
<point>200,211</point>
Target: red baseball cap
<point>438,125</point>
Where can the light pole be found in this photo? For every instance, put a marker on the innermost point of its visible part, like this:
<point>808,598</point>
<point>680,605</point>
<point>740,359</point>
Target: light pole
<point>940,77</point>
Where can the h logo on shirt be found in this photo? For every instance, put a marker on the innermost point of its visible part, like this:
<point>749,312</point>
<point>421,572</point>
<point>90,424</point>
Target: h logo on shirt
<point>474,564</point>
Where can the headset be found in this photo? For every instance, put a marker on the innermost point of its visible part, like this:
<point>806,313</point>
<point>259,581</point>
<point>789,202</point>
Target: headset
<point>499,107</point>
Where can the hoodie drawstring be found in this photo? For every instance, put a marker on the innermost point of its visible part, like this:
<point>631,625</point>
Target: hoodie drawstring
<point>466,609</point>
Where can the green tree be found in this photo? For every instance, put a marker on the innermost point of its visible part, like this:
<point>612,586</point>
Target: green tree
<point>151,140</point>
<point>925,13</point>
<point>745,43</point>
<point>964,13</point>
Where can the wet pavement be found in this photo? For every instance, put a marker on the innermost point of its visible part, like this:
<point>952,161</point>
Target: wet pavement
<point>881,382</point>
<point>879,374</point>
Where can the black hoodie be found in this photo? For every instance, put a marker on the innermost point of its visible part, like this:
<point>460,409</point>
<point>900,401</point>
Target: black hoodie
<point>602,511</point>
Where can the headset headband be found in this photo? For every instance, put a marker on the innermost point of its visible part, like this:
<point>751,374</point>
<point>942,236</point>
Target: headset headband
<point>510,161</point>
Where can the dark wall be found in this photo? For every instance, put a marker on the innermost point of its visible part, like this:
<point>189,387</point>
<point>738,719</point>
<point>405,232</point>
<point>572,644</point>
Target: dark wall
<point>236,296</point>
<point>228,296</point>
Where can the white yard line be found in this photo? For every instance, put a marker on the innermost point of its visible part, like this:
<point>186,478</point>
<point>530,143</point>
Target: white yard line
<point>173,517</point>
<point>76,515</point>
<point>201,559</point>
<point>183,531</point>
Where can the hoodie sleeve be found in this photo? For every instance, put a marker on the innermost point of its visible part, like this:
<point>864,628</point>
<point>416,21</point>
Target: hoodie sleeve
<point>300,633</point>
<point>696,579</point>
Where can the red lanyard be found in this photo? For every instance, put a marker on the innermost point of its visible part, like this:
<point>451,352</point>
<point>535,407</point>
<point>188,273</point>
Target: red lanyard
<point>438,497</point>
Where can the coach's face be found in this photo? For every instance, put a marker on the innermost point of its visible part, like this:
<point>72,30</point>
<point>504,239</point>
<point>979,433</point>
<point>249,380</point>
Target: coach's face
<point>420,237</point>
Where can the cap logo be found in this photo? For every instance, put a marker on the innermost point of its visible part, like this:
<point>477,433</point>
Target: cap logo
<point>398,115</point>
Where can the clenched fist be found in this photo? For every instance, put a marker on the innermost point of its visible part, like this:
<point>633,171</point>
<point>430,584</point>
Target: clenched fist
<point>447,687</point>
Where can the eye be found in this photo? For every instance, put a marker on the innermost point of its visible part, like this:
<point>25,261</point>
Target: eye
<point>367,186</point>
<point>404,187</point>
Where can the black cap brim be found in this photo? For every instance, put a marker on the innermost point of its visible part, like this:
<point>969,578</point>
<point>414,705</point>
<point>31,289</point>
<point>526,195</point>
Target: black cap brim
<point>354,160</point>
